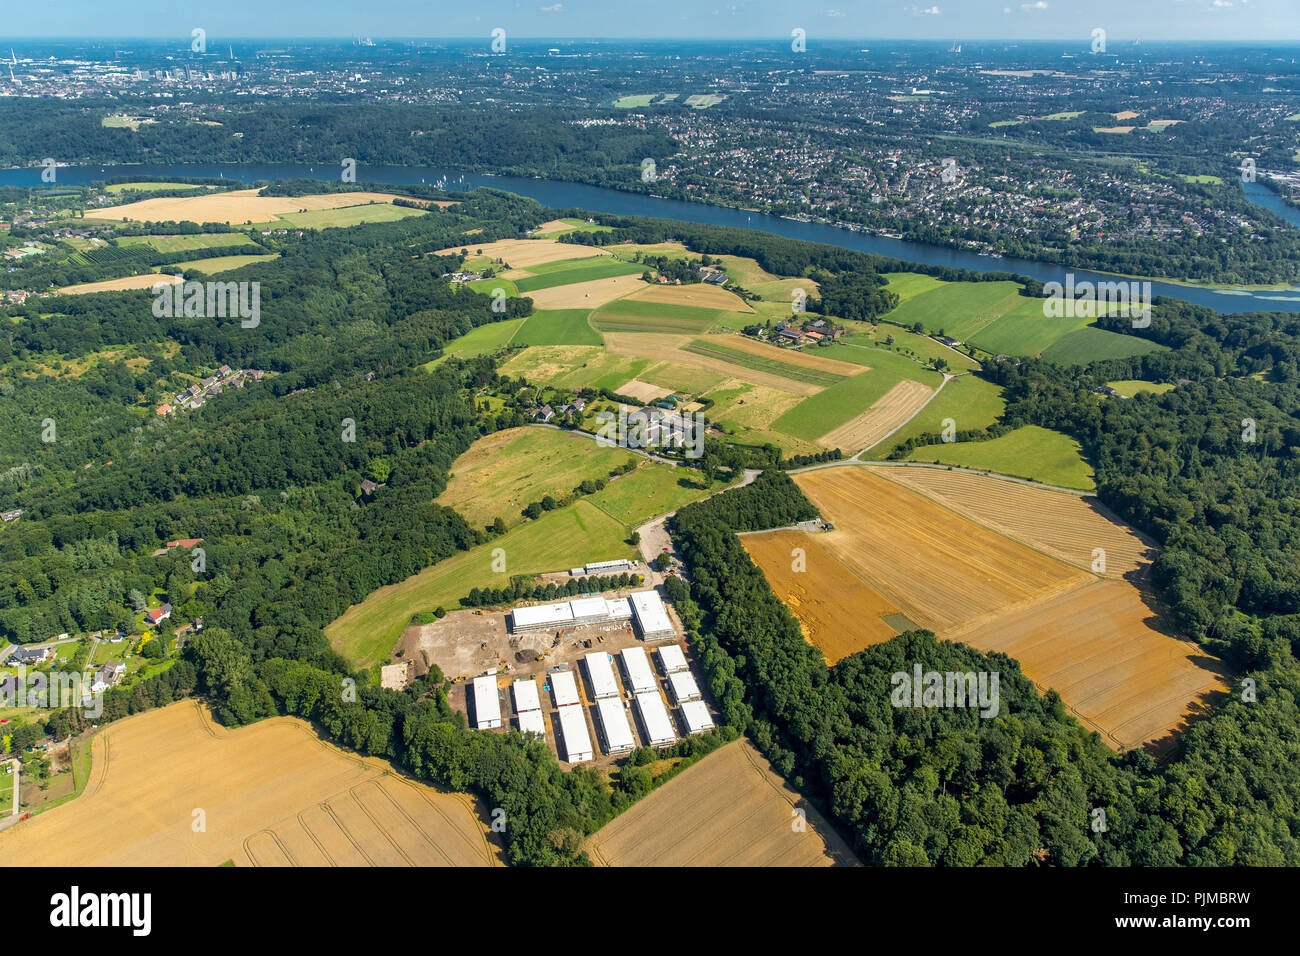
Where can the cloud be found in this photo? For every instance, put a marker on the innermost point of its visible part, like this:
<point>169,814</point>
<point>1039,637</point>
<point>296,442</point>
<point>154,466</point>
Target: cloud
<point>1037,5</point>
<point>553,8</point>
<point>923,11</point>
<point>835,13</point>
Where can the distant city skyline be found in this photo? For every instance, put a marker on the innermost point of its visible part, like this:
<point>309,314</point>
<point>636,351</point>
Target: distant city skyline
<point>1150,21</point>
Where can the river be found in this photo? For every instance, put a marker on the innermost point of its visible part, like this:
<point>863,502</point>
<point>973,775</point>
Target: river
<point>595,199</point>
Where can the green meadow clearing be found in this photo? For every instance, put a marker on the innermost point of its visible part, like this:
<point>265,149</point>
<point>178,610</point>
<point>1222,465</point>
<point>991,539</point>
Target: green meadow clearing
<point>575,225</point>
<point>205,240</point>
<point>970,401</point>
<point>489,286</point>
<point>480,341</point>
<point>996,318</point>
<point>1038,454</point>
<point>345,216</point>
<point>832,407</point>
<point>573,271</point>
<point>629,315</point>
<point>221,263</point>
<point>365,633</point>
<point>1130,387</point>
<point>557,327</point>
<point>505,471</point>
<point>762,363</point>
<point>143,187</point>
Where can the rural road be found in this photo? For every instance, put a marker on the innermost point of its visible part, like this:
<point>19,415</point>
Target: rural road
<point>13,818</point>
<point>926,464</point>
<point>933,395</point>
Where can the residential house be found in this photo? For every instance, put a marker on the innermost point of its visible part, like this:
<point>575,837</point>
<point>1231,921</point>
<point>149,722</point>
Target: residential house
<point>158,615</point>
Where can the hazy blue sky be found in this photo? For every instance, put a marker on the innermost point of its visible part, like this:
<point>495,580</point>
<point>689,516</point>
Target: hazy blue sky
<point>1148,20</point>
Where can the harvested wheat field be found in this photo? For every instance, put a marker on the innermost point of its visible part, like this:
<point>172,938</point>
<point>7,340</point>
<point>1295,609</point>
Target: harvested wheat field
<point>272,794</point>
<point>642,391</point>
<point>1067,526</point>
<point>146,281</point>
<point>521,253</point>
<point>667,348</point>
<point>240,205</point>
<point>584,295</point>
<point>796,357</point>
<point>887,413</point>
<point>701,295</point>
<point>839,613</point>
<point>1103,649</point>
<point>1099,641</point>
<point>938,568</point>
<point>730,809</point>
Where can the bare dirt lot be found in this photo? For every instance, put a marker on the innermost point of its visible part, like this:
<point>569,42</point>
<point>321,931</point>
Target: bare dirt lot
<point>240,205</point>
<point>522,253</point>
<point>643,391</point>
<point>840,615</point>
<point>888,412</point>
<point>271,794</point>
<point>730,809</point>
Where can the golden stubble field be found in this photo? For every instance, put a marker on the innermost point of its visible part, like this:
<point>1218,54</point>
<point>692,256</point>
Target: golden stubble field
<point>237,206</point>
<point>1003,567</point>
<point>730,809</point>
<point>892,410</point>
<point>146,281</point>
<point>272,794</point>
<point>522,253</point>
<point>584,295</point>
<point>700,295</point>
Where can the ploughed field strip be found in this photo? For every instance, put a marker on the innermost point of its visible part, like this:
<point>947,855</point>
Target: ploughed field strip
<point>730,809</point>
<point>939,547</point>
<point>273,794</point>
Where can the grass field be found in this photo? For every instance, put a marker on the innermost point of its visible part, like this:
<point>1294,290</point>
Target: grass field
<point>570,272</point>
<point>1038,454</point>
<point>489,286</point>
<point>649,491</point>
<point>630,315</point>
<point>365,633</point>
<point>143,187</point>
<point>558,227</point>
<point>1130,387</point>
<point>893,409</point>
<point>481,341</point>
<point>845,400</point>
<point>730,809</point>
<point>557,327</point>
<point>504,471</point>
<point>272,794</point>
<point>971,402</point>
<point>205,240</point>
<point>350,216</point>
<point>863,342</point>
<point>221,263</point>
<point>523,253</point>
<point>994,317</point>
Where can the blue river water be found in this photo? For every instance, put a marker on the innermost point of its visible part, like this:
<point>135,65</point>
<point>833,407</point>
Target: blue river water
<point>595,199</point>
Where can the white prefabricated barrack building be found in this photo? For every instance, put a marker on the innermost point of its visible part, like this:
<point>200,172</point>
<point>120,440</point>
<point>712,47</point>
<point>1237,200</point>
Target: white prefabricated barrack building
<point>564,688</point>
<point>526,696</point>
<point>614,726</point>
<point>601,673</point>
<point>695,717</point>
<point>487,706</point>
<point>637,668</point>
<point>672,658</point>
<point>532,722</point>
<point>574,734</point>
<point>575,613</point>
<point>683,686</point>
<point>651,615</point>
<point>657,727</point>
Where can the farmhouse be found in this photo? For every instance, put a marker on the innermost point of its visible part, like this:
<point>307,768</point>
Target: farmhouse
<point>487,706</point>
<point>158,615</point>
<point>574,735</point>
<point>614,726</point>
<point>654,719</point>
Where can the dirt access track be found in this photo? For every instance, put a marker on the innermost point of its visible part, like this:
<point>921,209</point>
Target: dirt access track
<point>169,787</point>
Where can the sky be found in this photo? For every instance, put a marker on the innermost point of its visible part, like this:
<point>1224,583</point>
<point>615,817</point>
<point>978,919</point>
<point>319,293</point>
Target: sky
<point>1147,20</point>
